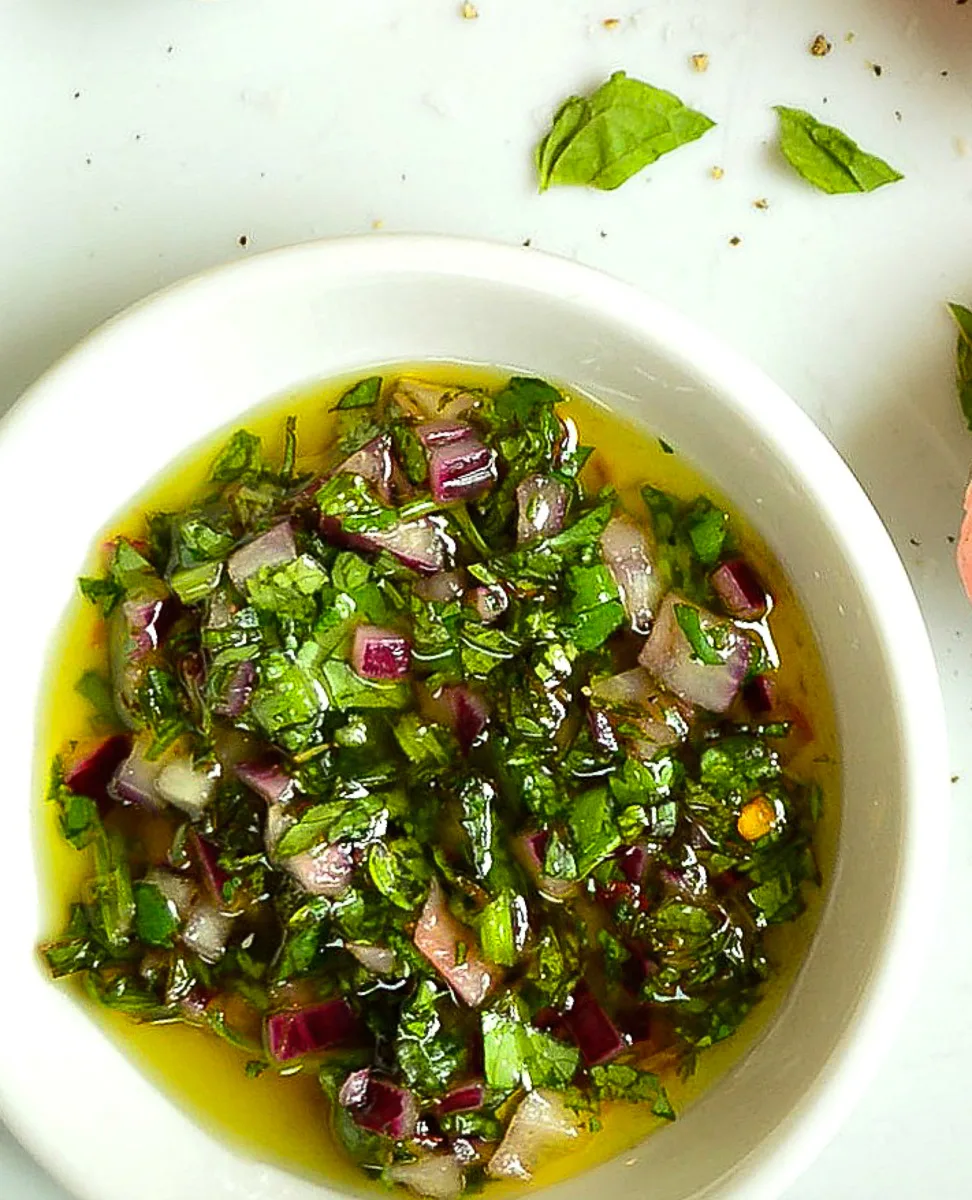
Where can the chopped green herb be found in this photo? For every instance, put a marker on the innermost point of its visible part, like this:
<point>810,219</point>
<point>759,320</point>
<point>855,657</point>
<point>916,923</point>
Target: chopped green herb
<point>826,157</point>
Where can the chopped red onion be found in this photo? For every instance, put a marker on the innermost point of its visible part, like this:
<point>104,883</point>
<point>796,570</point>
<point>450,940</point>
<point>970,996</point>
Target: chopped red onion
<point>190,788</point>
<point>238,691</point>
<point>296,1032</point>
<point>759,696</point>
<point>134,779</point>
<point>323,871</point>
<point>739,589</point>
<point>207,931</point>
<point>633,861</point>
<point>136,628</point>
<point>179,890</point>
<point>267,780</point>
<point>380,653</point>
<point>668,655</point>
<point>380,1106</point>
<point>423,399</point>
<point>145,622</point>
<point>489,602</point>
<point>592,1029</point>
<point>541,506</point>
<point>531,850</point>
<point>653,720</point>
<point>90,774</point>
<point>423,544</point>
<point>468,712</point>
<point>460,468</point>
<point>542,1122</point>
<point>436,1176</point>
<point>438,935</point>
<point>467,1097</point>
<point>444,433</point>
<point>631,556</point>
<point>440,588</point>
<point>206,855</point>
<point>271,549</point>
<point>379,960</point>
<point>375,464</point>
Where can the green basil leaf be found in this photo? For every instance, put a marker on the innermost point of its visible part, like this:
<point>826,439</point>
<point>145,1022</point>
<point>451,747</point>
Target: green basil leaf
<point>963,358</point>
<point>602,141</point>
<point>826,157</point>
<point>241,456</point>
<point>156,919</point>
<point>362,394</point>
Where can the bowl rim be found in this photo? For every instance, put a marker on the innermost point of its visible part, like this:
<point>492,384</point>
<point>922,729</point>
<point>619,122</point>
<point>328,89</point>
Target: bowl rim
<point>894,614</point>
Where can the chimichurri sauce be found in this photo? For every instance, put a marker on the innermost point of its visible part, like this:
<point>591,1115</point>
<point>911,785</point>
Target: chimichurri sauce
<point>458,789</point>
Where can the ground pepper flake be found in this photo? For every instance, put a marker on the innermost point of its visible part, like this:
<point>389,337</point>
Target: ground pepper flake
<point>469,12</point>
<point>717,172</point>
<point>735,241</point>
<point>611,22</point>
<point>820,47</point>
<point>700,62</point>
<point>761,203</point>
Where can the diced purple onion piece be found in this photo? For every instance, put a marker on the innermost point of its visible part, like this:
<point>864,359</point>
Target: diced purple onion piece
<point>434,1176</point>
<point>668,656</point>
<point>323,871</point>
<point>489,602</point>
<point>271,549</point>
<point>444,433</point>
<point>759,696</point>
<point>207,931</point>
<point>636,969</point>
<point>437,937</point>
<point>422,544</point>
<point>206,855</point>
<point>134,779</point>
<point>380,653</point>
<point>631,556</point>
<point>92,772</point>
<point>740,591</point>
<point>634,689</point>
<point>354,1090</point>
<point>542,1122</point>
<point>296,1032</point>
<point>541,504</point>
<point>146,622</point>
<point>532,851</point>
<point>466,1098</point>
<point>460,470</point>
<point>267,780</point>
<point>179,890</point>
<point>424,399</point>
<point>535,848</point>
<point>441,587</point>
<point>377,959</point>
<point>375,464</point>
<point>468,712</point>
<point>238,691</point>
<point>592,1029</point>
<point>380,1106</point>
<point>633,861</point>
<point>189,787</point>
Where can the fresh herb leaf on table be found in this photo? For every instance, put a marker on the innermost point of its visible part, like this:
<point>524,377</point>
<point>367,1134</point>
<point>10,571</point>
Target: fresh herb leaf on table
<point>826,157</point>
<point>963,358</point>
<point>602,140</point>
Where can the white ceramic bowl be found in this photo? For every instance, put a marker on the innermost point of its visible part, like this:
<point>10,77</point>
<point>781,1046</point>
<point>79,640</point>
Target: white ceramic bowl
<point>169,371</point>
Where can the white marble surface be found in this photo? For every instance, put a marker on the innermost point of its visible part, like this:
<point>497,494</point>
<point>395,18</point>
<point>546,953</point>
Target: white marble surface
<point>145,139</point>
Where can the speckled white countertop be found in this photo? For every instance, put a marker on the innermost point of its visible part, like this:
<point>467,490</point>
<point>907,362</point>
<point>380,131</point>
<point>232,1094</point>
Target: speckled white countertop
<point>148,139</point>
